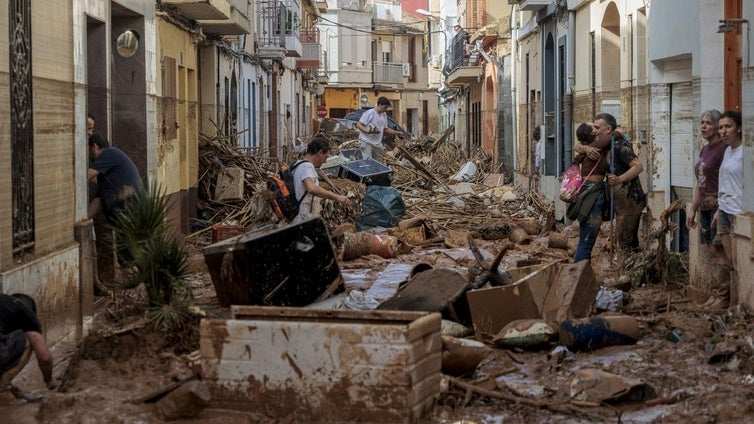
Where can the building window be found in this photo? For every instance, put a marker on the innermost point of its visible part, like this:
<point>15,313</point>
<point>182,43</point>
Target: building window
<point>22,127</point>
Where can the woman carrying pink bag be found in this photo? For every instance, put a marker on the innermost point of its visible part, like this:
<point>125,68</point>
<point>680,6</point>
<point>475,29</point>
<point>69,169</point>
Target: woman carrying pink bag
<point>589,206</point>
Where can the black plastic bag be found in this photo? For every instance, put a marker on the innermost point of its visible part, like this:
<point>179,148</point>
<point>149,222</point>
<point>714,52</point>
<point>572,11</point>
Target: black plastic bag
<point>381,207</point>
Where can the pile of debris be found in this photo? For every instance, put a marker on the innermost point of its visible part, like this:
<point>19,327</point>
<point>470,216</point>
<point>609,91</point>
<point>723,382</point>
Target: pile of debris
<point>437,181</point>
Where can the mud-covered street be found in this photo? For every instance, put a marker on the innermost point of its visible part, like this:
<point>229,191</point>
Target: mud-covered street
<point>695,359</point>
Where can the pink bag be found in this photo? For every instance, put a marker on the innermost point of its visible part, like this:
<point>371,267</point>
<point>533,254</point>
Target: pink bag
<point>570,187</point>
<point>571,184</point>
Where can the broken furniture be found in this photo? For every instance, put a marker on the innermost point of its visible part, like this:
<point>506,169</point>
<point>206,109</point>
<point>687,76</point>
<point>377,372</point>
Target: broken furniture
<point>323,365</point>
<point>290,266</point>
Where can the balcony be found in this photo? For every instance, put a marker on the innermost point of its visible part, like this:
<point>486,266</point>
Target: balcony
<point>461,66</point>
<point>278,25</point>
<point>531,5</point>
<point>201,9</point>
<point>237,24</point>
<point>390,73</point>
<point>321,5</point>
<point>310,49</point>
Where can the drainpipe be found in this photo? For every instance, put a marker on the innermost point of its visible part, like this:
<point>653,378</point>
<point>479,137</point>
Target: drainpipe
<point>218,117</point>
<point>514,98</point>
<point>570,69</point>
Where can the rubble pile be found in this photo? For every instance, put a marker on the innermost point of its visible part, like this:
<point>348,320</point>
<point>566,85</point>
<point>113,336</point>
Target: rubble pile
<point>429,174</point>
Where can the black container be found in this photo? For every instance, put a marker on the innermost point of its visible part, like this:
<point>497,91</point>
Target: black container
<point>367,171</point>
<point>289,266</point>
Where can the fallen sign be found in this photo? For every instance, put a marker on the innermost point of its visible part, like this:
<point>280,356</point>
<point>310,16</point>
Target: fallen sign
<point>323,365</point>
<point>291,266</point>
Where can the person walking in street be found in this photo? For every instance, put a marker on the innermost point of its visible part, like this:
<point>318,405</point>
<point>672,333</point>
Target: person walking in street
<point>20,335</point>
<point>306,181</point>
<point>372,125</point>
<point>730,192</point>
<point>706,172</point>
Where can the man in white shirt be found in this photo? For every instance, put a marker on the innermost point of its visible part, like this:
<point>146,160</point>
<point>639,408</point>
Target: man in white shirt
<point>372,125</point>
<point>306,181</point>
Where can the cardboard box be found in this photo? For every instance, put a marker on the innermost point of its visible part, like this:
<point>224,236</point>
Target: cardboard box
<point>493,308</point>
<point>323,365</point>
<point>572,293</point>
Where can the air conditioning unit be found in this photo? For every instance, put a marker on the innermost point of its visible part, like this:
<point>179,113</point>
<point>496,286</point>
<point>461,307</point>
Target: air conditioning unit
<point>406,69</point>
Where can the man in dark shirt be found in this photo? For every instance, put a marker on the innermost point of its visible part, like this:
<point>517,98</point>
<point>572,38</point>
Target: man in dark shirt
<point>20,334</point>
<point>118,178</point>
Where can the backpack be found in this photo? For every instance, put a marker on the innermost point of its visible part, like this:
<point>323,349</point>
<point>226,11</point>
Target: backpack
<point>283,193</point>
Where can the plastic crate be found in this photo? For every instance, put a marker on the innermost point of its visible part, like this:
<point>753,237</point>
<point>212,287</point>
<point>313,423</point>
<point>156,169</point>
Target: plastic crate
<point>222,232</point>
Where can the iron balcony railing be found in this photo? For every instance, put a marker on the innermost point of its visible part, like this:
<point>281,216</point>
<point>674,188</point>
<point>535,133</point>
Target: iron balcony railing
<point>310,49</point>
<point>386,72</point>
<point>276,20</point>
<point>458,54</point>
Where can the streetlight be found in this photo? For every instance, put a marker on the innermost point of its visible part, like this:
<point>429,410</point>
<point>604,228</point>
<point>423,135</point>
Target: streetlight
<point>430,18</point>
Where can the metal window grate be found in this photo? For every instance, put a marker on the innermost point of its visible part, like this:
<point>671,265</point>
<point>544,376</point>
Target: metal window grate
<point>22,126</point>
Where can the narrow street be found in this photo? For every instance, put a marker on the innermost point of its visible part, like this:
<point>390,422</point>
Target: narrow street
<point>416,211</point>
<point>690,360</point>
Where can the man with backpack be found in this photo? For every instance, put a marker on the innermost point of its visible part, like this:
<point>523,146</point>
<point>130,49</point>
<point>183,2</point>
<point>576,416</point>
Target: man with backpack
<point>305,180</point>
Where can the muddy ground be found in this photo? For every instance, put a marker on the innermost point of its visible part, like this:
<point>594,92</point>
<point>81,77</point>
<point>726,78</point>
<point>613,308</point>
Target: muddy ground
<point>107,378</point>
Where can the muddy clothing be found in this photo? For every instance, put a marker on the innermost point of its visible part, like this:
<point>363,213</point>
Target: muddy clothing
<point>629,199</point>
<point>706,170</point>
<point>624,154</point>
<point>118,179</point>
<point>588,165</point>
<point>588,210</point>
<point>15,320</point>
<point>12,347</point>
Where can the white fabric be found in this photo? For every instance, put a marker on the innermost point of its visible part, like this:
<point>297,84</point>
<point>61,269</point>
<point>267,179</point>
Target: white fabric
<point>379,120</point>
<point>731,181</point>
<point>302,172</point>
<point>538,154</point>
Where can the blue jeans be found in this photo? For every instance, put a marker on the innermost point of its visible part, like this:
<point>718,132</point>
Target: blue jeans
<point>589,228</point>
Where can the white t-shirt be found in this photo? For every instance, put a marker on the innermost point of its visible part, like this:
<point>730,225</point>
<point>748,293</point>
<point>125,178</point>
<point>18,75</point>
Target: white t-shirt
<point>379,120</point>
<point>730,186</point>
<point>303,171</point>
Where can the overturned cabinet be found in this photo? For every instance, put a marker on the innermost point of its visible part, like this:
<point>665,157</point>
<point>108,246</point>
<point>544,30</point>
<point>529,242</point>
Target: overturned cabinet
<point>323,365</point>
<point>290,266</point>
